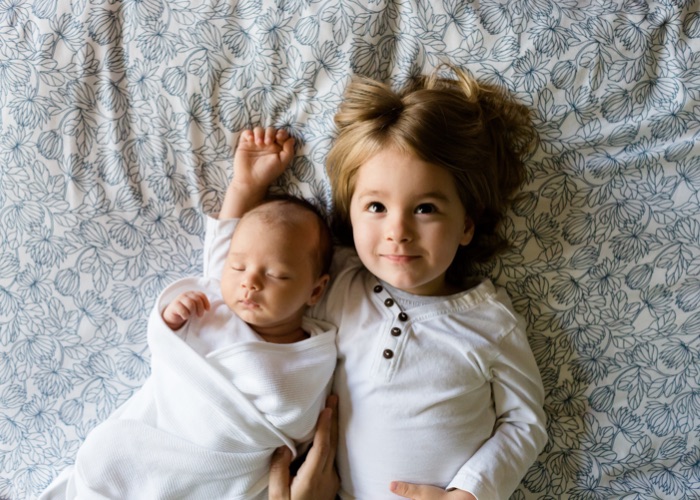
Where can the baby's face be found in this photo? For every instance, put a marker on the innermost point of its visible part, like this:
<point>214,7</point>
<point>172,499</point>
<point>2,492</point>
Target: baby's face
<point>407,221</point>
<point>270,278</point>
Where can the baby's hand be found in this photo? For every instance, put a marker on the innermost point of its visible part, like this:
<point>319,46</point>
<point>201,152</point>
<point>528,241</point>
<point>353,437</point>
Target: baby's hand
<point>261,157</point>
<point>426,492</point>
<point>183,307</point>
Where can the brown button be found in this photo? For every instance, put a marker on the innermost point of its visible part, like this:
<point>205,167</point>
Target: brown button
<point>378,288</point>
<point>396,331</point>
<point>388,353</point>
<point>403,316</point>
<point>389,302</point>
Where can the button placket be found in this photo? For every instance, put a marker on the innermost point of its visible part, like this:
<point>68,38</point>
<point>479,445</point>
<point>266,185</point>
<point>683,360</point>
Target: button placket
<point>395,331</point>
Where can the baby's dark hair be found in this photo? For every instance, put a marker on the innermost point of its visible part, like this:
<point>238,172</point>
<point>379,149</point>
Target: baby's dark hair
<point>476,131</point>
<point>324,254</point>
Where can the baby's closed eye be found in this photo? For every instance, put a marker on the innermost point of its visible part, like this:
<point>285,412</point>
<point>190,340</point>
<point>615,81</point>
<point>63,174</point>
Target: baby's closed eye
<point>278,275</point>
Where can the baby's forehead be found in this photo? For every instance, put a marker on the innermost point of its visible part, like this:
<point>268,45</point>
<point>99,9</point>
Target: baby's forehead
<point>287,225</point>
<point>280,214</point>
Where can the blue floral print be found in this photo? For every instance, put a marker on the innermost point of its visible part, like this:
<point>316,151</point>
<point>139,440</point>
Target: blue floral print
<point>118,120</point>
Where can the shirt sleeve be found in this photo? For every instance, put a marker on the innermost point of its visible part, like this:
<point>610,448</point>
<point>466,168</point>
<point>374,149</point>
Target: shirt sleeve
<point>496,469</point>
<point>216,244</point>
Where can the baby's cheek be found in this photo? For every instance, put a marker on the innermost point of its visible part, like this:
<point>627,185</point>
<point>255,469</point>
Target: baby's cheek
<point>227,288</point>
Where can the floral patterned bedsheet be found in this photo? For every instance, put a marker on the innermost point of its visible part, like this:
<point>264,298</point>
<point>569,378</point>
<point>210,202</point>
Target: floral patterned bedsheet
<point>116,133</point>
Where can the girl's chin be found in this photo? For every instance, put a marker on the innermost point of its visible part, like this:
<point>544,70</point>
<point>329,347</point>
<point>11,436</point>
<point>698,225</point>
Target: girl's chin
<point>415,287</point>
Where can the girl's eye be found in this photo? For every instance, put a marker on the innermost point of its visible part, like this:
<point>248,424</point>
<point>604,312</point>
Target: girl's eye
<point>237,267</point>
<point>375,207</point>
<point>426,208</point>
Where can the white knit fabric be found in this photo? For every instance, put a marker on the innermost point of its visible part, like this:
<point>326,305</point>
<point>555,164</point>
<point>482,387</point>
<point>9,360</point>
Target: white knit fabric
<point>218,402</point>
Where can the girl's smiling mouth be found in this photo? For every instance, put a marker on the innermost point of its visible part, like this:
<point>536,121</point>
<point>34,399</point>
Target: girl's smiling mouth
<point>399,258</point>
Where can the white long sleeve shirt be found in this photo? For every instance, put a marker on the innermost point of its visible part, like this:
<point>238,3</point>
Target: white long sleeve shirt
<point>444,393</point>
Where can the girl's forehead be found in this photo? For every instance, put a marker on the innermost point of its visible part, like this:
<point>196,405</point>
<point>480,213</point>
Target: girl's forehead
<point>398,157</point>
<point>392,169</point>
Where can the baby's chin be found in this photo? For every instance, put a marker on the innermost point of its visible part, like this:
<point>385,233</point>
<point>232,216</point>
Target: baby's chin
<point>248,313</point>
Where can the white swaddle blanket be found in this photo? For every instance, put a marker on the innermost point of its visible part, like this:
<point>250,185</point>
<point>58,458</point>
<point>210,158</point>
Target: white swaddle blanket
<point>205,423</point>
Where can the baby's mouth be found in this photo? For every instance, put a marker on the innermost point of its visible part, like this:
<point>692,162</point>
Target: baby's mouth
<point>249,304</point>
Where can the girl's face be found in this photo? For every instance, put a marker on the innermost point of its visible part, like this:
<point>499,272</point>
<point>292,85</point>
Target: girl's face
<point>407,221</point>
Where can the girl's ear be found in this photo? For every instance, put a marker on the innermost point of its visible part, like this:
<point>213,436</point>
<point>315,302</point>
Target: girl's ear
<point>318,290</point>
<point>468,232</point>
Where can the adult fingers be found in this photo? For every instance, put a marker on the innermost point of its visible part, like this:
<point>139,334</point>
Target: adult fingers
<point>332,403</point>
<point>321,456</point>
<point>279,474</point>
<point>320,451</point>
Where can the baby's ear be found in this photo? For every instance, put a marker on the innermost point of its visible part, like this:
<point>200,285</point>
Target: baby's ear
<point>468,234</point>
<point>318,290</point>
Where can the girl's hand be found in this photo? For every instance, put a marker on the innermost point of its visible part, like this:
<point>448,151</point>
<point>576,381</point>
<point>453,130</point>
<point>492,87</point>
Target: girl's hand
<point>183,307</point>
<point>261,156</point>
<point>427,492</point>
<point>317,478</point>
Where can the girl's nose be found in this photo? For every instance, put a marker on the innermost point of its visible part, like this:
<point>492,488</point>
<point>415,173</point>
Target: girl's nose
<point>399,229</point>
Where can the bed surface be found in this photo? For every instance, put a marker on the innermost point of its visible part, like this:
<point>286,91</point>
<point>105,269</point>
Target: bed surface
<point>117,126</point>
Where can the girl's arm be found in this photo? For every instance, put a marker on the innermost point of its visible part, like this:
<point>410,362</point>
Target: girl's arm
<point>519,435</point>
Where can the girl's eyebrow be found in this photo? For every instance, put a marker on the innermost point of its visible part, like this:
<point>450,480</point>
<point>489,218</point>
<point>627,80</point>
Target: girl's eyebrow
<point>370,193</point>
<point>434,195</point>
<point>430,195</point>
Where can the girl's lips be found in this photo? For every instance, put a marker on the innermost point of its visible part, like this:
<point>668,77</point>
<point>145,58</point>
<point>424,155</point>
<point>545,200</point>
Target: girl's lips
<point>399,259</point>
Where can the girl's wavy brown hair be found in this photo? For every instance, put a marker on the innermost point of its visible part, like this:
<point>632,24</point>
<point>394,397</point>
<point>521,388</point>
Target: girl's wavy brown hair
<point>480,134</point>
